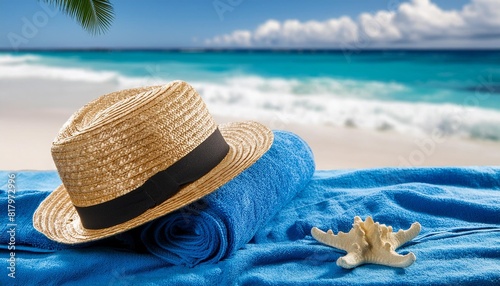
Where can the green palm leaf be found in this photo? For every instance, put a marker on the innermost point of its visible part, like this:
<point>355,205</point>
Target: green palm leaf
<point>95,16</point>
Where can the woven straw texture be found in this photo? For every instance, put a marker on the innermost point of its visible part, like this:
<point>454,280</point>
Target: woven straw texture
<point>115,143</point>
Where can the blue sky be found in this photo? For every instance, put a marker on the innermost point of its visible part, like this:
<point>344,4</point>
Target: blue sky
<point>260,23</point>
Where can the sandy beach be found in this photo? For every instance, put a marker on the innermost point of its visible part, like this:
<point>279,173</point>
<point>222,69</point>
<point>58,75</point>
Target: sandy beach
<point>32,112</point>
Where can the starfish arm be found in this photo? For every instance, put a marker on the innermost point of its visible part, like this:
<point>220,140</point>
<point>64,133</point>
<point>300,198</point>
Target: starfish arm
<point>402,236</point>
<point>340,241</point>
<point>351,260</point>
<point>393,259</point>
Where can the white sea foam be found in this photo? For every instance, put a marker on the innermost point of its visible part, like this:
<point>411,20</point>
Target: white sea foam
<point>9,59</point>
<point>325,101</point>
<point>24,70</point>
<point>338,103</point>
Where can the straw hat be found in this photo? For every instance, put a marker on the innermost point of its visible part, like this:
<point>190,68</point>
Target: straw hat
<point>131,156</point>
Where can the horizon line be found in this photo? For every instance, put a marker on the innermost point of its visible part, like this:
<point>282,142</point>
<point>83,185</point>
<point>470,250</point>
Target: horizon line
<point>239,49</point>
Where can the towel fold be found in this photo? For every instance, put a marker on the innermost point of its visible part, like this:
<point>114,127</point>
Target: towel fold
<point>215,227</point>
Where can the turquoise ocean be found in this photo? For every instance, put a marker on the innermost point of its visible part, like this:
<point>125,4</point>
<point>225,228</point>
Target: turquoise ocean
<point>411,92</point>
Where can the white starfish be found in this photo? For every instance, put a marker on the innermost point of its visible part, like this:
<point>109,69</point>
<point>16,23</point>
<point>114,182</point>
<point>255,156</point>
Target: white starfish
<point>369,242</point>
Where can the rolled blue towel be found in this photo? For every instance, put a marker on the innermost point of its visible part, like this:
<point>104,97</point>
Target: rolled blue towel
<point>215,227</point>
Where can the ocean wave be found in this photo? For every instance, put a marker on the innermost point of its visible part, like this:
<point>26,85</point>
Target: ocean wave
<point>10,59</point>
<point>23,70</point>
<point>310,101</point>
<point>32,66</point>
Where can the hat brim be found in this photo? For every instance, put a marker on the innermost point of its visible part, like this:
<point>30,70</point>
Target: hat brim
<point>56,217</point>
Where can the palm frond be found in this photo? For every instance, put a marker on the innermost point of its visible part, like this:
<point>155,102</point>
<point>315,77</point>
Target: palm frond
<point>95,16</point>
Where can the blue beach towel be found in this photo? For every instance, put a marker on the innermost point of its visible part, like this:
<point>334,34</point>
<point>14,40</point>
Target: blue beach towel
<point>459,209</point>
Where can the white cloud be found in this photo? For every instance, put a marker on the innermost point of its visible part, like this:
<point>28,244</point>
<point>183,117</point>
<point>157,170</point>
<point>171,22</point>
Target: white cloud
<point>422,19</point>
<point>379,27</point>
<point>292,32</point>
<point>238,37</point>
<point>482,15</point>
<point>418,22</point>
